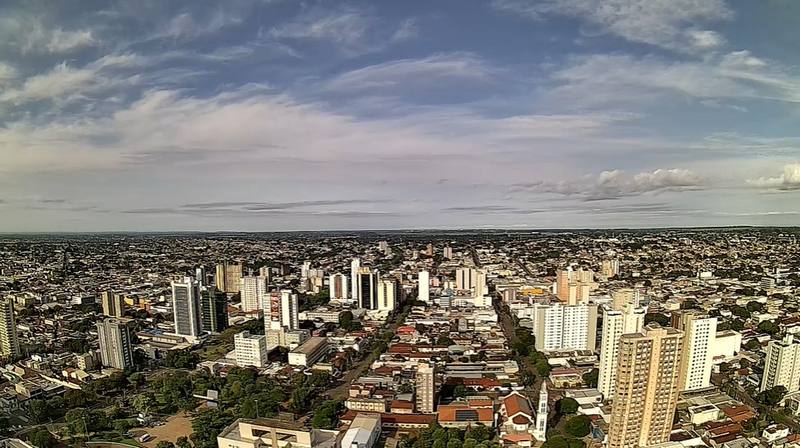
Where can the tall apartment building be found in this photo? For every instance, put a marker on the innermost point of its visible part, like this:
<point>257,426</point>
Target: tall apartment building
<point>337,286</point>
<point>782,365</point>
<point>253,290</point>
<point>281,316</point>
<point>471,279</point>
<point>699,334</point>
<point>426,389</point>
<point>250,349</point>
<point>355,266</point>
<point>540,431</point>
<point>615,324</point>
<point>227,277</point>
<point>647,387</point>
<point>565,327</point>
<point>9,343</point>
<point>114,336</point>
<point>447,253</point>
<point>368,288</point>
<point>621,298</point>
<point>214,306</point>
<point>573,287</point>
<point>113,304</point>
<point>609,267</point>
<point>424,286</point>
<point>388,294</point>
<point>186,308</point>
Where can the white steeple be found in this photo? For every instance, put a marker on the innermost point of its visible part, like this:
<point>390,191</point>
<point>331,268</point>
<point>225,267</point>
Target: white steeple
<point>540,432</point>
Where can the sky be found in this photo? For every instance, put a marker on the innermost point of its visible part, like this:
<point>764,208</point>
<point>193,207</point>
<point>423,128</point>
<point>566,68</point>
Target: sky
<point>260,115</point>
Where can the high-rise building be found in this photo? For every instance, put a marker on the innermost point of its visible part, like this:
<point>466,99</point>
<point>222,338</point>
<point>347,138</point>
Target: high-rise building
<point>615,324</point>
<point>466,278</point>
<point>281,316</point>
<point>782,365</point>
<point>573,287</point>
<point>264,271</point>
<point>186,307</point>
<point>699,334</point>
<point>621,298</point>
<point>227,277</point>
<point>480,289</point>
<point>609,267</point>
<point>423,286</point>
<point>540,431</point>
<point>388,293</point>
<point>214,306</point>
<point>253,290</point>
<point>447,253</point>
<point>565,327</point>
<point>426,389</point>
<point>114,336</point>
<point>337,286</point>
<point>355,266</point>
<point>368,288</point>
<point>9,343</point>
<point>647,387</point>
<point>250,349</point>
<point>113,304</point>
<point>200,275</point>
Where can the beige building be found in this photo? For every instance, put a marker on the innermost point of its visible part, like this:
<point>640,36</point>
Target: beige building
<point>274,433</point>
<point>646,388</point>
<point>426,389</point>
<point>250,349</point>
<point>573,287</point>
<point>309,352</point>
<point>227,277</point>
<point>9,343</point>
<point>615,324</point>
<point>699,333</point>
<point>113,304</point>
<point>782,365</point>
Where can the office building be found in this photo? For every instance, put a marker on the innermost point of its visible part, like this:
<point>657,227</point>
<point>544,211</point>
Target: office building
<point>388,293</point>
<point>9,343</point>
<point>782,365</point>
<point>113,304</point>
<point>424,286</point>
<point>565,327</point>
<point>425,389</point>
<point>274,433</point>
<point>355,266</point>
<point>253,291</point>
<point>250,349</point>
<point>367,288</point>
<point>116,351</point>
<point>227,277</point>
<point>311,351</point>
<point>186,308</point>
<point>338,287</point>
<point>699,333</point>
<point>647,387</point>
<point>615,324</point>
<point>214,306</point>
<point>364,431</point>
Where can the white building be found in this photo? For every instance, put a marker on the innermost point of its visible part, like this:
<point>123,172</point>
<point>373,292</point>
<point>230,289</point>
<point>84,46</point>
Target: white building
<point>727,344</point>
<point>186,308</point>
<point>423,286</point>
<point>387,294</point>
<point>615,324</point>
<point>254,292</point>
<point>565,327</point>
<point>782,365</point>
<point>250,349</point>
<point>281,315</point>
<point>698,352</point>
<point>355,265</point>
<point>309,352</point>
<point>9,343</point>
<point>364,431</point>
<point>465,278</point>
<point>338,286</point>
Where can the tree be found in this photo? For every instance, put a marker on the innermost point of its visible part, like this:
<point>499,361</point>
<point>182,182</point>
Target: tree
<point>754,306</point>
<point>76,398</point>
<point>444,340</point>
<point>346,320</point>
<point>591,377</point>
<point>325,415</point>
<point>567,406</point>
<point>183,442</point>
<point>752,344</point>
<point>527,378</point>
<point>769,327</point>
<point>144,402</point>
<point>181,359</point>
<point>579,426</point>
<point>460,391</point>
<point>771,397</point>
<point>42,438</point>
<point>659,318</point>
<point>165,444</point>
<point>556,442</point>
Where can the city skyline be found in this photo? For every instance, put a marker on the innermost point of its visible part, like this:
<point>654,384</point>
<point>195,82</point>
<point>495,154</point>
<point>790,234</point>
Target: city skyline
<point>279,115</point>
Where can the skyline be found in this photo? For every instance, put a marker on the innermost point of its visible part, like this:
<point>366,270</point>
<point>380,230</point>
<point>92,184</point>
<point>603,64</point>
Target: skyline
<point>281,115</point>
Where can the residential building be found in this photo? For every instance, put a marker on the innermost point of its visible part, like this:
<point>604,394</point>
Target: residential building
<point>782,365</point>
<point>647,388</point>
<point>615,324</point>
<point>426,389</point>
<point>113,304</point>
<point>621,298</point>
<point>114,336</point>
<point>355,266</point>
<point>565,327</point>
<point>186,308</point>
<point>337,286</point>
<point>9,342</point>
<point>573,286</point>
<point>227,277</point>
<point>250,349</point>
<point>253,290</point>
<point>387,294</point>
<point>368,288</point>
<point>423,286</point>
<point>698,348</point>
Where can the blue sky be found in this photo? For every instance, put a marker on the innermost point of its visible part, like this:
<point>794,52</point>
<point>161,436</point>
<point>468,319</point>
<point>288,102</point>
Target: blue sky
<point>305,115</point>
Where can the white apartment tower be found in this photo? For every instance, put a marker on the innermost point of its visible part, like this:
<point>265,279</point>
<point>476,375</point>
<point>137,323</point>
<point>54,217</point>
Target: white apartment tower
<point>699,333</point>
<point>114,336</point>
<point>782,365</point>
<point>112,303</point>
<point>355,265</point>
<point>540,431</point>
<point>425,389</point>
<point>253,292</point>
<point>615,324</point>
<point>565,327</point>
<point>186,307</point>
<point>250,349</point>
<point>387,294</point>
<point>423,286</point>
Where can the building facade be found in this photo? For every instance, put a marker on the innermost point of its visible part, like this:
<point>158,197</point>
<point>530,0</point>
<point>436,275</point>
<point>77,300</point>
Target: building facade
<point>615,324</point>
<point>186,308</point>
<point>214,306</point>
<point>782,365</point>
<point>250,349</point>
<point>114,336</point>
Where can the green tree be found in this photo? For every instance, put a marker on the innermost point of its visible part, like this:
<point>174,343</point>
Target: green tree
<point>346,320</point>
<point>460,391</point>
<point>659,318</point>
<point>591,377</point>
<point>771,397</point>
<point>183,442</point>
<point>325,415</point>
<point>42,438</point>
<point>752,344</point>
<point>769,327</point>
<point>165,444</point>
<point>579,426</point>
<point>444,340</point>
<point>567,406</point>
<point>556,442</point>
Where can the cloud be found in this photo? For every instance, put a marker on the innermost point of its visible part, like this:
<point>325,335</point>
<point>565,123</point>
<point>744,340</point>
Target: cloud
<point>617,184</point>
<point>662,23</point>
<point>742,59</point>
<point>705,39</point>
<point>409,29</point>
<point>7,73</point>
<point>66,41</point>
<point>789,180</point>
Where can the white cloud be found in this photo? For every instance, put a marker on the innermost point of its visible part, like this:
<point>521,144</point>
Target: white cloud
<point>616,184</point>
<point>7,73</point>
<point>407,30</point>
<point>742,59</point>
<point>57,82</point>
<point>66,41</point>
<point>705,39</point>
<point>654,22</point>
<point>789,180</point>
